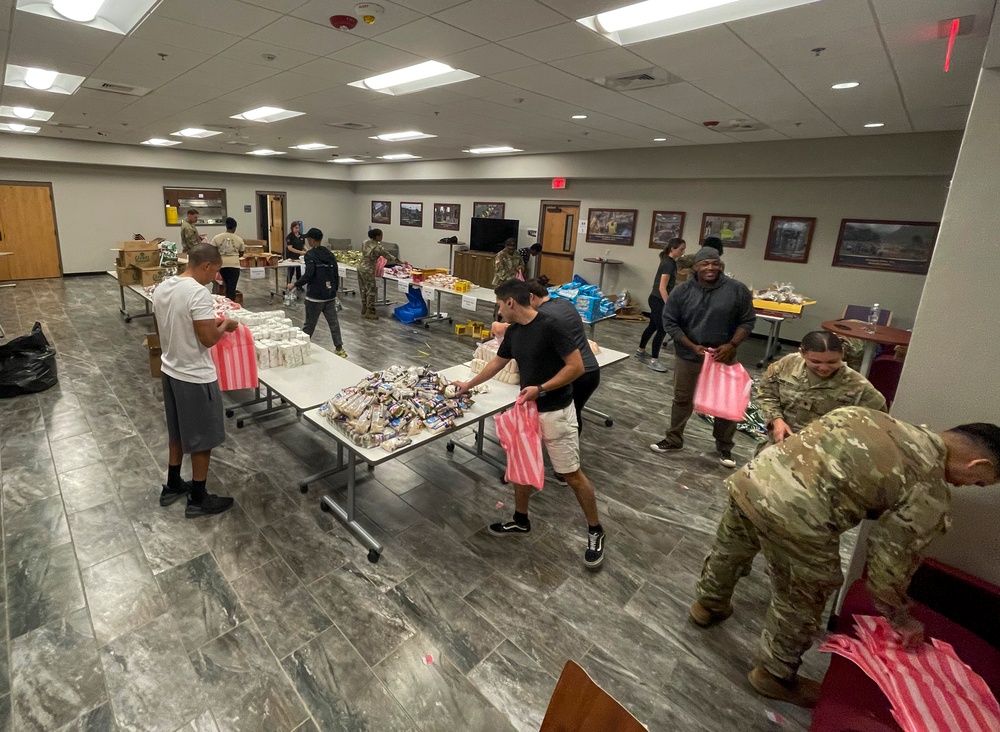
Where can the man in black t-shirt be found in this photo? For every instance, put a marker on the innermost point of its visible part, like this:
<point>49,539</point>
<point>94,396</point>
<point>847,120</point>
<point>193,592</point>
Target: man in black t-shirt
<point>549,362</point>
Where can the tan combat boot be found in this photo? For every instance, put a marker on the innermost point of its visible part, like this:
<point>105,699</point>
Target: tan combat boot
<point>799,691</point>
<point>704,618</point>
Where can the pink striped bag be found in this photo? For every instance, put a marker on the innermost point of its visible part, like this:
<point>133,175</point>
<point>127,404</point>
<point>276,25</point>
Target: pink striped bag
<point>235,360</point>
<point>723,390</point>
<point>521,438</point>
<point>930,689</point>
<point>380,266</point>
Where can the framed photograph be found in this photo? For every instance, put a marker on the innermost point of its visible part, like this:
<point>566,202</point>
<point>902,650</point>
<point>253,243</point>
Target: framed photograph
<point>731,228</point>
<point>411,214</point>
<point>887,246</point>
<point>486,210</point>
<point>611,225</point>
<point>381,212</point>
<point>789,239</point>
<point>665,226</point>
<point>446,216</point>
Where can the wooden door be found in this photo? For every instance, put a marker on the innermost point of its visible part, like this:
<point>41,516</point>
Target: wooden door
<point>28,229</point>
<point>276,232</point>
<point>558,241</point>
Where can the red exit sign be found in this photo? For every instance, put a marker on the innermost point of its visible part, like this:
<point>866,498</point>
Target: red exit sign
<point>558,184</point>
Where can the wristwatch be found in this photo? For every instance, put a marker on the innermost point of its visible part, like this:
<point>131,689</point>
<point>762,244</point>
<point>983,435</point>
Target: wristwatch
<point>541,391</point>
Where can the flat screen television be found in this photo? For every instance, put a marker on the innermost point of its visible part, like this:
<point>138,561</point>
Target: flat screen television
<point>488,235</point>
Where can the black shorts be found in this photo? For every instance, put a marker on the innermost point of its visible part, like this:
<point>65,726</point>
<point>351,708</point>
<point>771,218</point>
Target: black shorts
<point>194,414</point>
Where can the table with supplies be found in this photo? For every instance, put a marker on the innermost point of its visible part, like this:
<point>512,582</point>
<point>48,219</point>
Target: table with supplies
<point>140,291</point>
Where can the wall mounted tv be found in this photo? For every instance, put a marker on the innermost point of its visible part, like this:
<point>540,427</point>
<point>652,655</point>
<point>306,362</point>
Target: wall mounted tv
<point>488,235</point>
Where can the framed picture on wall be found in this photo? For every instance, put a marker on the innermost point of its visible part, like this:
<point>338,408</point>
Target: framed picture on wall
<point>611,225</point>
<point>381,212</point>
<point>446,216</point>
<point>411,214</point>
<point>487,210</point>
<point>731,228</point>
<point>888,246</point>
<point>789,239</point>
<point>665,226</point>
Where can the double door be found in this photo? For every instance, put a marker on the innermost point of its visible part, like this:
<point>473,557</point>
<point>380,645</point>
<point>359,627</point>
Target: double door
<point>28,232</point>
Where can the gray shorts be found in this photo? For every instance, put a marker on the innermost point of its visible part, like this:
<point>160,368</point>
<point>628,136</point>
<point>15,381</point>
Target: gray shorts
<point>194,414</point>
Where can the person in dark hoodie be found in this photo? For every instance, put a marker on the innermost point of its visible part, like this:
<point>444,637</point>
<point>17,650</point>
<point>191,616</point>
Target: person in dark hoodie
<point>710,313</point>
<point>321,282</point>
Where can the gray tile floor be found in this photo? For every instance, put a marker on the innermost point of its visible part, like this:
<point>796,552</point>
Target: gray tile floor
<point>121,614</point>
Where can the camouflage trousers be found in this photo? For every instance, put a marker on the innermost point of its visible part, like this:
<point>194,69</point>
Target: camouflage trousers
<point>803,577</point>
<point>366,283</point>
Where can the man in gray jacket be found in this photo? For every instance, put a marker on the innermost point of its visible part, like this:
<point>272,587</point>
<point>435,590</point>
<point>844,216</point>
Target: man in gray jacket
<point>710,313</point>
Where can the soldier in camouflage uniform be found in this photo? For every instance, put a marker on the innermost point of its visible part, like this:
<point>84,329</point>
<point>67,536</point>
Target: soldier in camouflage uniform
<point>190,238</point>
<point>507,264</point>
<point>806,385</point>
<point>793,502</point>
<point>371,250</point>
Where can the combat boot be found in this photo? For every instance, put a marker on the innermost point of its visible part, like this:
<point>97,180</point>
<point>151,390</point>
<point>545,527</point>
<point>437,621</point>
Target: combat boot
<point>704,618</point>
<point>799,691</point>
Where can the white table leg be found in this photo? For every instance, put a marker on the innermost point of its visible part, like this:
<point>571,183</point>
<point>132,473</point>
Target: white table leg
<point>867,356</point>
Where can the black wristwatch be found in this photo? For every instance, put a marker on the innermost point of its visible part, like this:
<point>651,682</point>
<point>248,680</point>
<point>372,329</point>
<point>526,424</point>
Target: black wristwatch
<point>541,391</point>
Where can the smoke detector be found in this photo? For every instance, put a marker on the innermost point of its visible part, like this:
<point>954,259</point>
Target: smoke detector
<point>369,12</point>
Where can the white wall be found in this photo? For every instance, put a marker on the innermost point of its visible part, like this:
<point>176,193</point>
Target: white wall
<point>98,206</point>
<point>914,198</point>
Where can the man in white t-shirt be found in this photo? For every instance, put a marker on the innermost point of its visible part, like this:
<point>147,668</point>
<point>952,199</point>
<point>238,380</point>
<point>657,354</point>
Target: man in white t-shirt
<point>185,316</point>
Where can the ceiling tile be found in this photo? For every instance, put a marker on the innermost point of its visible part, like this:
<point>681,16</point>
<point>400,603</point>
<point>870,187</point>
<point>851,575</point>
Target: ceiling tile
<point>88,106</point>
<point>252,52</point>
<point>559,41</point>
<point>319,12</point>
<point>804,21</point>
<point>430,38</point>
<point>699,54</point>
<point>301,35</point>
<point>285,86</point>
<point>35,36</point>
<point>281,6</point>
<point>136,62</point>
<point>375,57</point>
<point>583,8</point>
<point>331,99</point>
<point>428,7</point>
<point>327,68</point>
<point>229,16</point>
<point>836,47</point>
<point>890,11</point>
<point>487,60</point>
<point>183,35</point>
<point>602,64</point>
<point>225,73</point>
<point>498,20</point>
<point>687,101</point>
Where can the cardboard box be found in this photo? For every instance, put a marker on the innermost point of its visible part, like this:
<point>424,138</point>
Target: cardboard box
<point>255,243</point>
<point>138,245</point>
<point>127,276</point>
<point>781,307</point>
<point>152,344</point>
<point>151,275</point>
<point>140,258</point>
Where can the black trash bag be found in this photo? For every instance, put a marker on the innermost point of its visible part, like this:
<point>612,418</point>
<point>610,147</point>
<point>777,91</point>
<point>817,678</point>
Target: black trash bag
<point>27,365</point>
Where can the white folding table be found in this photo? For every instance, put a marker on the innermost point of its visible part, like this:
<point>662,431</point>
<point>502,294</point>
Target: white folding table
<point>147,299</point>
<point>497,399</point>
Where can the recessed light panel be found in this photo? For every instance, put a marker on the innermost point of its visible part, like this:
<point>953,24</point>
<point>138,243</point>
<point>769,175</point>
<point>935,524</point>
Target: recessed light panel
<point>875,124</point>
<point>414,78</point>
<point>18,127</point>
<point>160,142</point>
<point>492,150</point>
<point>402,136</point>
<point>312,146</point>
<point>264,151</point>
<point>846,85</point>
<point>36,115</point>
<point>195,132</point>
<point>29,77</point>
<point>114,16</point>
<point>346,160</point>
<point>659,139</point>
<point>658,18</point>
<point>579,116</point>
<point>399,156</point>
<point>267,114</point>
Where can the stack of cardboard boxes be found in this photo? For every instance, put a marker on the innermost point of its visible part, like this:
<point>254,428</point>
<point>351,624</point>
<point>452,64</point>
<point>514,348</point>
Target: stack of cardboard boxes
<point>138,263</point>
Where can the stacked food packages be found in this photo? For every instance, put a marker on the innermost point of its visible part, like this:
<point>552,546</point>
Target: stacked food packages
<point>349,257</point>
<point>589,301</point>
<point>387,408</point>
<point>485,353</point>
<point>277,341</point>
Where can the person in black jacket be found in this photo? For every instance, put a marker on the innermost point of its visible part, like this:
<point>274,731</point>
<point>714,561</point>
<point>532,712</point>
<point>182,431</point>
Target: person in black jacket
<point>321,281</point>
<point>295,247</point>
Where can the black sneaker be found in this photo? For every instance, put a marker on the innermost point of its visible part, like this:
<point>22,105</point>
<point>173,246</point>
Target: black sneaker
<point>209,506</point>
<point>726,459</point>
<point>510,527</point>
<point>664,446</point>
<point>594,556</point>
<point>171,495</point>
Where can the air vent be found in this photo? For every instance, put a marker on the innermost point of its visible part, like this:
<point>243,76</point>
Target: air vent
<point>639,79</point>
<point>241,143</point>
<point>743,125</point>
<point>109,86</point>
<point>351,125</point>
<point>68,126</point>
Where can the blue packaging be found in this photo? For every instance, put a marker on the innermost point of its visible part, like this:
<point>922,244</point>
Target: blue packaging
<point>588,306</point>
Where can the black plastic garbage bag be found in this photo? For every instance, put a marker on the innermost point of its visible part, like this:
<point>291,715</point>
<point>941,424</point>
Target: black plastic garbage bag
<point>27,365</point>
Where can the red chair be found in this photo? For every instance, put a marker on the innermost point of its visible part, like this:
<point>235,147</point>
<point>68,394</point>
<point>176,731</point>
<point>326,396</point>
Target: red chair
<point>884,375</point>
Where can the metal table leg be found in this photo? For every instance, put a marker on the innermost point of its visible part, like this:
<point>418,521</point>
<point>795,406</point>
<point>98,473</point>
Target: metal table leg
<point>272,408</point>
<point>608,419</point>
<point>345,514</point>
<point>481,435</point>
<point>385,296</point>
<point>435,317</point>
<point>773,342</point>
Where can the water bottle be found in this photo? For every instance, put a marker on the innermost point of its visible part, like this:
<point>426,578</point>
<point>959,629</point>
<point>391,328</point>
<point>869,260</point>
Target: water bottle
<point>873,317</point>
<point>607,254</point>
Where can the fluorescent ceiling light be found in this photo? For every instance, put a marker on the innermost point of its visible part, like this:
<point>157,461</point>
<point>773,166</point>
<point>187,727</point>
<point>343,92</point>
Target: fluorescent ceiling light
<point>115,16</point>
<point>492,150</point>
<point>195,132</point>
<point>35,115</point>
<point>658,18</point>
<point>659,139</point>
<point>399,156</point>
<point>28,77</point>
<point>846,85</point>
<point>264,151</point>
<point>160,142</point>
<point>267,114</point>
<point>346,160</point>
<point>875,124</point>
<point>401,136</point>
<point>18,127</point>
<point>414,78</point>
<point>579,116</point>
<point>312,146</point>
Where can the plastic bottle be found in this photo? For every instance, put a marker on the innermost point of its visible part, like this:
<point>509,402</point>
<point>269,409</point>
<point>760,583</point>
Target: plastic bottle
<point>607,254</point>
<point>873,317</point>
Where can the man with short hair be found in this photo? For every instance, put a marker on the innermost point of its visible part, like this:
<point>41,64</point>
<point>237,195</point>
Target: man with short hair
<point>795,499</point>
<point>321,282</point>
<point>549,362</point>
<point>185,316</point>
<point>190,238</point>
<point>713,314</point>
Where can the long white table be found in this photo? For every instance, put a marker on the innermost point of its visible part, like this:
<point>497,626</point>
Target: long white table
<point>497,399</point>
<point>301,388</point>
<point>146,297</point>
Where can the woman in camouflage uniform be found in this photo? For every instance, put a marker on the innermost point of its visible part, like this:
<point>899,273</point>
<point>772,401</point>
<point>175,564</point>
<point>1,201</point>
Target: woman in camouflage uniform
<point>371,250</point>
